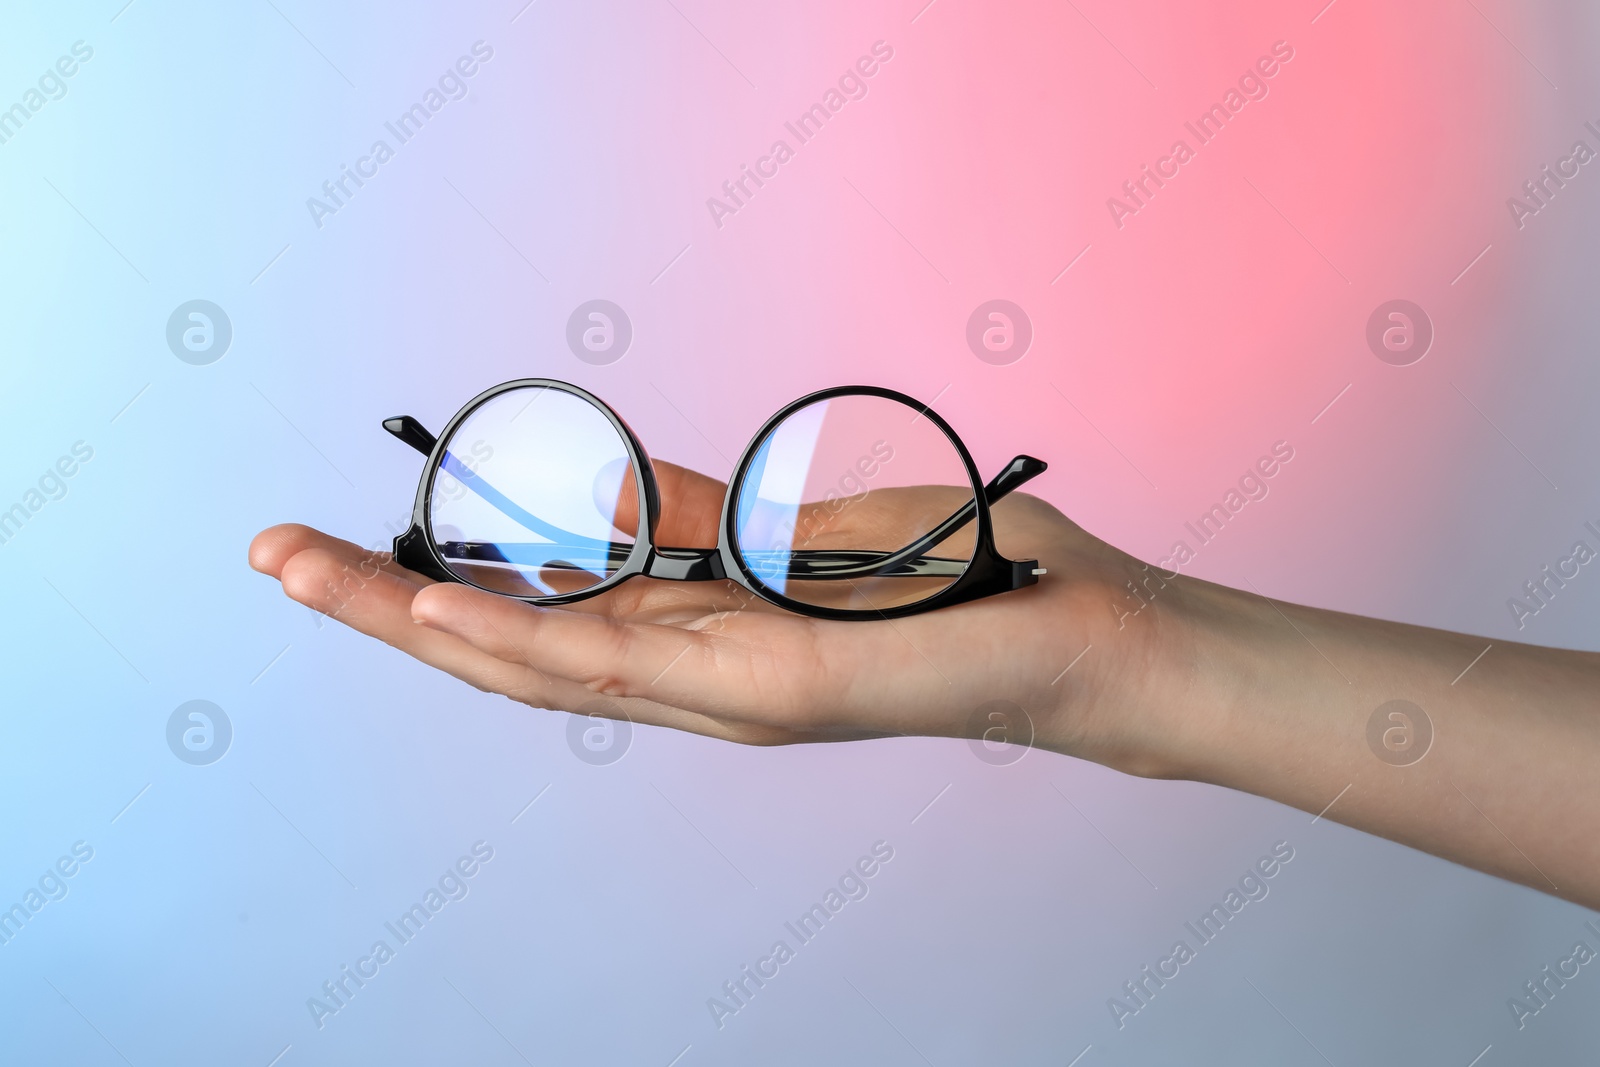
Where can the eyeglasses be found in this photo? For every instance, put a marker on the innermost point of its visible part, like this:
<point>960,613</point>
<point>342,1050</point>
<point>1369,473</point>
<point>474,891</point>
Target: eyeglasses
<point>850,503</point>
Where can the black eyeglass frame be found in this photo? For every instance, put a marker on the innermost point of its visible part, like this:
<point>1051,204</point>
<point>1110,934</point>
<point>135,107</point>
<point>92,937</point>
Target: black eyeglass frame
<point>986,574</point>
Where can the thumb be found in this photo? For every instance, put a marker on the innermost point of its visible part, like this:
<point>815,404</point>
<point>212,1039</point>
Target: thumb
<point>691,503</point>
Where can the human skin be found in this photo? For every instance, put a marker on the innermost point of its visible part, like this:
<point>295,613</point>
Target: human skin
<point>1202,682</point>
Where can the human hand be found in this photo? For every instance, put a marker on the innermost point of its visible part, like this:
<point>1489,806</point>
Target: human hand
<point>710,658</point>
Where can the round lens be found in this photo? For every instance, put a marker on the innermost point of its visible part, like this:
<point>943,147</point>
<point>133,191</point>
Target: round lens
<point>526,498</point>
<point>859,503</point>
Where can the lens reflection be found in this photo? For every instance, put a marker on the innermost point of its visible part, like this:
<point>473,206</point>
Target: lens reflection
<point>859,503</point>
<point>525,500</point>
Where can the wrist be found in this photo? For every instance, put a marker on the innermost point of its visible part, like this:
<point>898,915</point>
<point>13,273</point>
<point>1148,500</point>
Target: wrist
<point>1164,696</point>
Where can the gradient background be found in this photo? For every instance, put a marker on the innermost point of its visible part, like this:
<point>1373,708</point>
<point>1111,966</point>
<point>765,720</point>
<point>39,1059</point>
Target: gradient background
<point>1174,351</point>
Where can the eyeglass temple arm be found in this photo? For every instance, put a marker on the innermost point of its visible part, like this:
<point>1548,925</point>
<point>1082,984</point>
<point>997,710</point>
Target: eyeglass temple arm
<point>1018,472</point>
<point>911,560</point>
<point>412,433</point>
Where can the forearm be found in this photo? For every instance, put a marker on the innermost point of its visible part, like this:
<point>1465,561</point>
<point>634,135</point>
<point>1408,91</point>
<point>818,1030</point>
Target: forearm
<point>1275,699</point>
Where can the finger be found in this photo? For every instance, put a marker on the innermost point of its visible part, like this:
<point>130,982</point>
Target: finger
<point>676,603</point>
<point>378,604</point>
<point>691,506</point>
<point>275,546</point>
<point>758,674</point>
<point>498,629</point>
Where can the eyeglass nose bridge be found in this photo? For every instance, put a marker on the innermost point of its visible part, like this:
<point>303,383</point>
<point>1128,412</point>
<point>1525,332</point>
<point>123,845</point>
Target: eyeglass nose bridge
<point>685,565</point>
